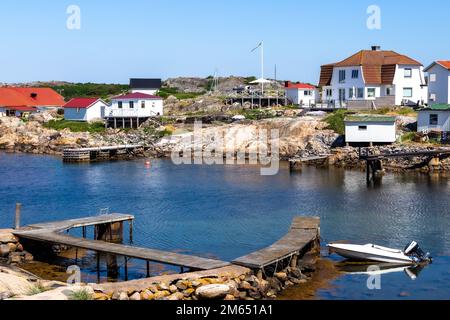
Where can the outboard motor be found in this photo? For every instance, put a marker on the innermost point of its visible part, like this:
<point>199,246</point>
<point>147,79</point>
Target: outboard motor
<point>414,251</point>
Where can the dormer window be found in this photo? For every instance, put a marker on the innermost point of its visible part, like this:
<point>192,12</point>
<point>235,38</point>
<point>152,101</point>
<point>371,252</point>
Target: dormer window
<point>355,74</point>
<point>408,73</point>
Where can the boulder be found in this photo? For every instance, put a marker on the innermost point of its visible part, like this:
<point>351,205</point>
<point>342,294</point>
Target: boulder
<point>136,296</point>
<point>6,236</point>
<point>213,291</point>
<point>176,296</point>
<point>4,251</point>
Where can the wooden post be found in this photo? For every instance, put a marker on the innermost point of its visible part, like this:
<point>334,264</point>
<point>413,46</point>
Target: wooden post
<point>294,261</point>
<point>84,232</point>
<point>367,171</point>
<point>259,274</point>
<point>148,269</point>
<point>131,231</point>
<point>126,268</point>
<point>17,219</point>
<point>98,267</point>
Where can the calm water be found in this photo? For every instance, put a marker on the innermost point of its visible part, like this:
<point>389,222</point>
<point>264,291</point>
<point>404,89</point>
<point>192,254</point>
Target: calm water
<point>228,211</point>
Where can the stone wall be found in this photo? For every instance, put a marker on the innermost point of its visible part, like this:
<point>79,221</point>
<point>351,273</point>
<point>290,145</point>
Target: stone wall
<point>11,251</point>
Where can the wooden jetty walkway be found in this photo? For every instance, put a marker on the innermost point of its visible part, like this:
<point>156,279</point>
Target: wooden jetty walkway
<point>53,233</point>
<point>374,163</point>
<point>303,235</point>
<point>100,153</point>
<point>304,232</point>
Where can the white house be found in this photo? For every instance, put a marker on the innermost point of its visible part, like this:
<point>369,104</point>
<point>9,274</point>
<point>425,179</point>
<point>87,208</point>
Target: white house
<point>132,109</point>
<point>436,117</point>
<point>84,109</point>
<point>370,129</point>
<point>373,79</point>
<point>301,94</point>
<point>439,82</point>
<point>147,86</point>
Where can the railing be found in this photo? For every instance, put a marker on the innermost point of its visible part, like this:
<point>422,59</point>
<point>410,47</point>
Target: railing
<point>120,113</point>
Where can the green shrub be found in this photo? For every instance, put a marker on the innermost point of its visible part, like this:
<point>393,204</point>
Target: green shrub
<point>36,289</point>
<point>93,90</point>
<point>75,126</point>
<point>81,295</point>
<point>336,121</point>
<point>166,92</point>
<point>408,137</point>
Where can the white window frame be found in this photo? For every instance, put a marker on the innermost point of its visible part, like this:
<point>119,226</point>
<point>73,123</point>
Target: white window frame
<point>408,96</point>
<point>432,77</point>
<point>374,92</point>
<point>433,97</point>
<point>360,93</point>
<point>342,76</point>
<point>408,72</point>
<point>355,74</point>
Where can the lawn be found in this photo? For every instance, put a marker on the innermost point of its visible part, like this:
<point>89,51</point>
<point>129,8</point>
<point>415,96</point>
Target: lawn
<point>75,126</point>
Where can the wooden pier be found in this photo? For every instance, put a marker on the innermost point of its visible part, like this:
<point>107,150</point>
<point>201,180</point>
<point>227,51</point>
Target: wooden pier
<point>53,233</point>
<point>100,153</point>
<point>374,164</point>
<point>302,236</point>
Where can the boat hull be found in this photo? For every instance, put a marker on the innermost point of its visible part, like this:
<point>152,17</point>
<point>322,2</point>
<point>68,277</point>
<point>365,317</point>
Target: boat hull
<point>369,253</point>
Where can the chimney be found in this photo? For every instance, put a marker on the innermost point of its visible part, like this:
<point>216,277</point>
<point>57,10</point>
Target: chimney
<point>33,95</point>
<point>287,84</point>
<point>376,48</point>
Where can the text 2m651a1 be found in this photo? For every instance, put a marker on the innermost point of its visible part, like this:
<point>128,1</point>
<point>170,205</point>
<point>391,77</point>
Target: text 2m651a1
<point>246,310</point>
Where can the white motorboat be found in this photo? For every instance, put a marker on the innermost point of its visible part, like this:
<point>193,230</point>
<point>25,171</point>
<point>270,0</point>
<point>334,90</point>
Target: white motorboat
<point>370,252</point>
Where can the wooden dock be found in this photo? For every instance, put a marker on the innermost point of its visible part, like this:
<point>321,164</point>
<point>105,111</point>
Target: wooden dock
<point>100,153</point>
<point>304,232</point>
<point>52,233</point>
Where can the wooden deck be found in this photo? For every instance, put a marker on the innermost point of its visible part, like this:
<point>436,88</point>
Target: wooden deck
<point>52,233</point>
<point>303,232</point>
<point>99,153</point>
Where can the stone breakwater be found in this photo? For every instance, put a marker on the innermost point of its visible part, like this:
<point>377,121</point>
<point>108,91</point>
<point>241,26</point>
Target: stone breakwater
<point>11,251</point>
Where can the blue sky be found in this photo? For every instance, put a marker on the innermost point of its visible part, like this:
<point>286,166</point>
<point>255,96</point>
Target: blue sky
<point>161,38</point>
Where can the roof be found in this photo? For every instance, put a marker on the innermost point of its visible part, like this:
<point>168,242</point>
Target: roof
<point>290,85</point>
<point>22,108</point>
<point>136,83</point>
<point>30,97</point>
<point>437,107</point>
<point>378,66</point>
<point>369,118</point>
<point>137,95</point>
<point>83,103</point>
<point>442,63</point>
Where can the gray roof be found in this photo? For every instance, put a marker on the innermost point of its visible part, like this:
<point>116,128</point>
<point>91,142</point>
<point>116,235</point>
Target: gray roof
<point>145,83</point>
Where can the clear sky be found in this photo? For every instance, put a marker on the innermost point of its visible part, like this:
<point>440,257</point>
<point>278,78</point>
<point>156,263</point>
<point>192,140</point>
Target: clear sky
<point>167,38</point>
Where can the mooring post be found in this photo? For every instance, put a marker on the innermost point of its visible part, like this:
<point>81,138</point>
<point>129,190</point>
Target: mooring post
<point>126,268</point>
<point>17,219</point>
<point>148,269</point>
<point>131,231</point>
<point>84,232</point>
<point>98,267</point>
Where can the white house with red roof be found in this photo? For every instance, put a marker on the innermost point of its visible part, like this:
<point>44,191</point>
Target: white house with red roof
<point>18,101</point>
<point>85,109</point>
<point>439,82</point>
<point>132,109</point>
<point>372,79</point>
<point>301,94</point>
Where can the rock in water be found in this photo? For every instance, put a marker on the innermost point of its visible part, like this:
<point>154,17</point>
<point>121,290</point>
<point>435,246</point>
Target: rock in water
<point>213,291</point>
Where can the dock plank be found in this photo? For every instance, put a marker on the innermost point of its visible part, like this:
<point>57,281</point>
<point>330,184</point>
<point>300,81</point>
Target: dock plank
<point>303,231</point>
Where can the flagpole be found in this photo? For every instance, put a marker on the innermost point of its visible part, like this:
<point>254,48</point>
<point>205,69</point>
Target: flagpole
<point>262,67</point>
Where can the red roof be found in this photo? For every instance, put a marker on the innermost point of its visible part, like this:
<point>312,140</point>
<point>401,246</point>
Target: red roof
<point>137,95</point>
<point>30,97</point>
<point>445,64</point>
<point>83,103</point>
<point>290,85</point>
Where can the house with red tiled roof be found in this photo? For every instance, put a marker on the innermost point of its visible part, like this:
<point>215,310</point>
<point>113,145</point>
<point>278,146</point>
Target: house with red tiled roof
<point>373,79</point>
<point>439,82</point>
<point>15,101</point>
<point>133,109</point>
<point>85,109</point>
<point>301,94</point>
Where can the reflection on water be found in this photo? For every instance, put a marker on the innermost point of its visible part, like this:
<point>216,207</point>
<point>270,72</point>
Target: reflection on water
<point>229,211</point>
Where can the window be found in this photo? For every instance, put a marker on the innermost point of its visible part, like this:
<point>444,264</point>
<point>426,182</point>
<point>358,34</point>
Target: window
<point>341,75</point>
<point>432,96</point>
<point>143,104</point>
<point>78,110</point>
<point>360,93</point>
<point>355,74</point>
<point>131,104</point>
<point>408,72</point>
<point>120,104</point>
<point>371,92</point>
<point>433,119</point>
<point>351,93</point>
<point>433,77</point>
<point>307,93</point>
<point>407,92</point>
<point>362,128</point>
<point>329,92</point>
<point>388,91</point>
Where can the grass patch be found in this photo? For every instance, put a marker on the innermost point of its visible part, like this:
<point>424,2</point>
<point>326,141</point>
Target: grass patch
<point>408,137</point>
<point>90,90</point>
<point>336,121</point>
<point>36,289</point>
<point>81,295</point>
<point>75,126</point>
<point>258,114</point>
<point>166,92</point>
